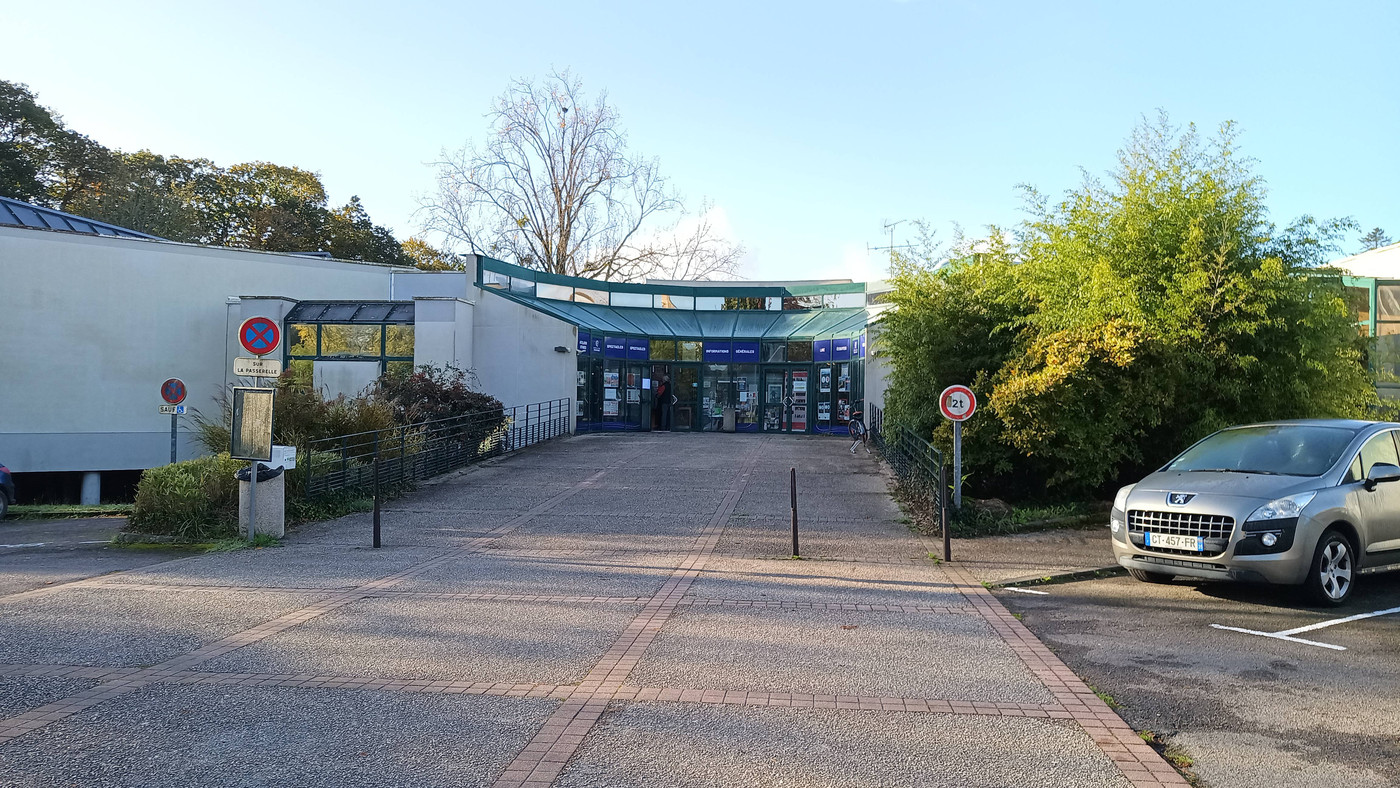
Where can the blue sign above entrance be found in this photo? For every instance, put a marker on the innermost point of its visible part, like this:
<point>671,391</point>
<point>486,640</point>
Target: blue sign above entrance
<point>841,349</point>
<point>638,348</point>
<point>745,353</point>
<point>716,352</point>
<point>615,347</point>
<point>821,350</point>
<point>862,344</point>
<point>583,343</point>
<point>597,345</point>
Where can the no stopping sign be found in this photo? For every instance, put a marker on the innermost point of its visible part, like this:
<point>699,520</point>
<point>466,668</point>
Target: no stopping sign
<point>958,403</point>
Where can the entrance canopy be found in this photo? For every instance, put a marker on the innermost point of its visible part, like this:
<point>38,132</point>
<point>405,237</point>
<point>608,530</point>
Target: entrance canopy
<point>798,310</point>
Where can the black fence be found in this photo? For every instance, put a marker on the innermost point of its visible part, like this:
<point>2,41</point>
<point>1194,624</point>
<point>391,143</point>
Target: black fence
<point>919,470</point>
<point>420,451</point>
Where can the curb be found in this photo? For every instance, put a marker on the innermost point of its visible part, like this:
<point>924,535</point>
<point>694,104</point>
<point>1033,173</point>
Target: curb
<point>1113,570</point>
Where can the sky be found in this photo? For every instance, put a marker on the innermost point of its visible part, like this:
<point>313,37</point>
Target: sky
<point>809,126</point>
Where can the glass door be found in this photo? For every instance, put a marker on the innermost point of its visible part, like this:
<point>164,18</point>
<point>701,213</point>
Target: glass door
<point>745,394</point>
<point>716,403</point>
<point>800,380</point>
<point>636,408</point>
<point>685,386</point>
<point>776,411</point>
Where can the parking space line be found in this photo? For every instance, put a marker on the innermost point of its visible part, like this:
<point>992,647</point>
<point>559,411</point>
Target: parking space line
<point>1288,634</point>
<point>1280,636</point>
<point>1336,621</point>
<point>1027,591</point>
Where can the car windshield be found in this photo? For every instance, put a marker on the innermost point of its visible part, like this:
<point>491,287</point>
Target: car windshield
<point>1281,449</point>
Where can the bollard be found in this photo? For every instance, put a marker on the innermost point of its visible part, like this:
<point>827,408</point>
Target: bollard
<point>793,487</point>
<point>943,505</point>
<point>376,495</point>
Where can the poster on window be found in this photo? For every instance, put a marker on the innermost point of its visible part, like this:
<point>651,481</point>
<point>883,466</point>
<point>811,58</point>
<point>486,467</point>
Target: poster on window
<point>799,417</point>
<point>825,384</point>
<point>582,378</point>
<point>610,408</point>
<point>799,383</point>
<point>611,379</point>
<point>634,395</point>
<point>775,392</point>
<point>844,384</point>
<point>632,380</point>
<point>609,394</point>
<point>843,410</point>
<point>823,411</point>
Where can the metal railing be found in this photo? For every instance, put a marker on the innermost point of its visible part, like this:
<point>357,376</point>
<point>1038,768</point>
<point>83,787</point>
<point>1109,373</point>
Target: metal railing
<point>414,452</point>
<point>920,473</point>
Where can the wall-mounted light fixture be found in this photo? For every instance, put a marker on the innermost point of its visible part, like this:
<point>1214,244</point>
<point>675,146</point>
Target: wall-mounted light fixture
<point>560,349</point>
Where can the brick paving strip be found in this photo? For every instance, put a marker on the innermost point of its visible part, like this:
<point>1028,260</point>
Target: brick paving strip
<point>1134,757</point>
<point>545,755</point>
<point>36,718</point>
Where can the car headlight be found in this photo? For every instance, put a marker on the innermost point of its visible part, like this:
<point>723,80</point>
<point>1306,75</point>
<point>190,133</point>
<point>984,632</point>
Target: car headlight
<point>1120,501</point>
<point>1120,507</point>
<point>1284,508</point>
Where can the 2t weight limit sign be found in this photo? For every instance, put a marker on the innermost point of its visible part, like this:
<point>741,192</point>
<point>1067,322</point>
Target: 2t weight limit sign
<point>958,403</point>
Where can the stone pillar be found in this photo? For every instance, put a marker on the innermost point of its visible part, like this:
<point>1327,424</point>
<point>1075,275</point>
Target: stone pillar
<point>91,494</point>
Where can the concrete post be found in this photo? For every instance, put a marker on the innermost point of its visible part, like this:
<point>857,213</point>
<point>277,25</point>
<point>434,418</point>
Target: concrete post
<point>91,494</point>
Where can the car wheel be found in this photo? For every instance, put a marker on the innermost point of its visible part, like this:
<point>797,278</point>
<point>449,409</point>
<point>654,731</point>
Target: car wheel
<point>4,505</point>
<point>1333,570</point>
<point>1150,577</point>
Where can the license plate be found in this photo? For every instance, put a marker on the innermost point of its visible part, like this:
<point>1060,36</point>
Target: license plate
<point>1176,542</point>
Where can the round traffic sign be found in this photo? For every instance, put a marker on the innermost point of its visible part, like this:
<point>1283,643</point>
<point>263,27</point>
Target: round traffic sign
<point>259,335</point>
<point>173,391</point>
<point>958,403</point>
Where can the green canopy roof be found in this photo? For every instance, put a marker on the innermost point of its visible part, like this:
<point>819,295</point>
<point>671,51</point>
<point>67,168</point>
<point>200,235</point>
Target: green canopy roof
<point>693,324</point>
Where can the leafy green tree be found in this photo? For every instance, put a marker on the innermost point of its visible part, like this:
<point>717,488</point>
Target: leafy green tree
<point>1375,239</point>
<point>429,258</point>
<point>41,160</point>
<point>255,205</point>
<point>1134,315</point>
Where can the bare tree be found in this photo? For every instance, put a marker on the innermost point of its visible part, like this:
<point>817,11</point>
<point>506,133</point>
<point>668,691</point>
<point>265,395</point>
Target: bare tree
<point>556,188</point>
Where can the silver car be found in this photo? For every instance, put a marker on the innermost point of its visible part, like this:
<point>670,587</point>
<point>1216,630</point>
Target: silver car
<point>1311,503</point>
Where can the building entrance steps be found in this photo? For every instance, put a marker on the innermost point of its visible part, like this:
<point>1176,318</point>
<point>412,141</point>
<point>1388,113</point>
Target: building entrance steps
<point>628,635</point>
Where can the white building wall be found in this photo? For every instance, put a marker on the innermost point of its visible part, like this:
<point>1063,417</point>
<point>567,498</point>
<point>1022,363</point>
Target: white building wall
<point>93,325</point>
<point>877,370</point>
<point>514,351</point>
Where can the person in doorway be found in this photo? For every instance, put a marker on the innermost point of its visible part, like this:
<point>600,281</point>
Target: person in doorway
<point>664,400</point>
<point>859,434</point>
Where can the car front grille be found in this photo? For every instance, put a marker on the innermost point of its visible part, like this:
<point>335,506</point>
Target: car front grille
<point>1214,528</point>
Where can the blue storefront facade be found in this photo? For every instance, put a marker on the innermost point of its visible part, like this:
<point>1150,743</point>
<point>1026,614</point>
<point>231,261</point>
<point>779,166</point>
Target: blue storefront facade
<point>723,357</point>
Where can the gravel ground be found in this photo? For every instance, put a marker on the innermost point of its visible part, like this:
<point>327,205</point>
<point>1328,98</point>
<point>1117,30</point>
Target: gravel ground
<point>825,582</point>
<point>639,501</point>
<point>441,640</point>
<point>399,528</point>
<point>1245,760</point>
<point>639,575</point>
<point>664,744</point>
<point>996,559</point>
<point>176,737</point>
<point>772,537</point>
<point>298,566</point>
<point>19,694</point>
<point>129,628</point>
<point>817,504</point>
<point>948,657</point>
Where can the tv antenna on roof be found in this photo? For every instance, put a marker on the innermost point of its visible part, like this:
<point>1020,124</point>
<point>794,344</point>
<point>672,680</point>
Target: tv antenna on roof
<point>889,226</point>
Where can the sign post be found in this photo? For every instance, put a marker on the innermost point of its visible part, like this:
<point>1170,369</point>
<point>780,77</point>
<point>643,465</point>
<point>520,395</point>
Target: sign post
<point>958,403</point>
<point>252,407</point>
<point>173,391</point>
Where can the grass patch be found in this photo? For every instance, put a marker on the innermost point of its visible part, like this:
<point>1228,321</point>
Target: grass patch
<point>974,520</point>
<point>60,511</point>
<point>1103,696</point>
<point>1171,754</point>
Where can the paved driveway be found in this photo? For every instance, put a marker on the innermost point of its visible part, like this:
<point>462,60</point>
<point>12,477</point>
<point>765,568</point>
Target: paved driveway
<point>601,611</point>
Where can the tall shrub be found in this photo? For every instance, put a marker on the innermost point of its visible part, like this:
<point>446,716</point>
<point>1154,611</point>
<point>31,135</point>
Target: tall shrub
<point>1150,308</point>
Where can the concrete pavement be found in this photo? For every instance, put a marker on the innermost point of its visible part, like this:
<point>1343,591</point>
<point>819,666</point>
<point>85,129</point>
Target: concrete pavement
<point>604,610</point>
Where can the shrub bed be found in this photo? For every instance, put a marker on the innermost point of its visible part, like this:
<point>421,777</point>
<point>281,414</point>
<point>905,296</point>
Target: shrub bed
<point>192,500</point>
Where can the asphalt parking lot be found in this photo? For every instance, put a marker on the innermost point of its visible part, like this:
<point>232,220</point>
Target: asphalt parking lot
<point>1249,710</point>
